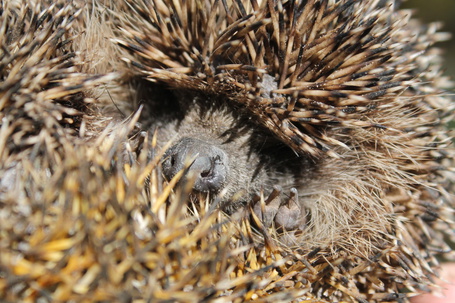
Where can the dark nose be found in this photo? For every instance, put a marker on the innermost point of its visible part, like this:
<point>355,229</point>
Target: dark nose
<point>209,165</point>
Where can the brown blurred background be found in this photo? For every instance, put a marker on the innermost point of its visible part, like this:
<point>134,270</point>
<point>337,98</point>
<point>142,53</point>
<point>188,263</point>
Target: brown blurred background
<point>438,10</point>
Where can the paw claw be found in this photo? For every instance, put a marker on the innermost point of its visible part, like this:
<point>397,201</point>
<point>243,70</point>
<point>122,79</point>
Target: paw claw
<point>268,210</point>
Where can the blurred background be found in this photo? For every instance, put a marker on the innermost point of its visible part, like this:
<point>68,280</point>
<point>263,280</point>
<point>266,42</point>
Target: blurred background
<point>438,10</point>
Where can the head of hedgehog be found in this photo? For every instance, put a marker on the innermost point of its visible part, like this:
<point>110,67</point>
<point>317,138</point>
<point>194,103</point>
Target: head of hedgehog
<point>317,128</point>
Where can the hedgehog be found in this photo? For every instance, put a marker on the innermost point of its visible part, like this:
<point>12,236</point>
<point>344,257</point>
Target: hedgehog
<point>328,117</point>
<point>293,150</point>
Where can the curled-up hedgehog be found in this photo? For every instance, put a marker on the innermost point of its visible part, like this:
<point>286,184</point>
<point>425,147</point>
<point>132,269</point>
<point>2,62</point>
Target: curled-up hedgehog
<point>337,104</point>
<point>303,145</point>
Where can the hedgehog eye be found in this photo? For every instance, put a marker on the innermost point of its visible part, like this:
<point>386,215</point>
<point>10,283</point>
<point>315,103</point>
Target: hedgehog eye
<point>160,103</point>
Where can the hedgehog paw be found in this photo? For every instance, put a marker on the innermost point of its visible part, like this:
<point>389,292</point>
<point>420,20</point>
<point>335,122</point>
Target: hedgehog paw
<point>286,214</point>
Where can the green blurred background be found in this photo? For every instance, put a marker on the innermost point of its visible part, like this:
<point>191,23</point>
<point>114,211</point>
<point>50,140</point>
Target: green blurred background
<point>438,10</point>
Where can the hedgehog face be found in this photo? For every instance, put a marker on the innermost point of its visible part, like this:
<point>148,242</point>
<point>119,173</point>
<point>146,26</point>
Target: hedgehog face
<point>217,156</point>
<point>221,148</point>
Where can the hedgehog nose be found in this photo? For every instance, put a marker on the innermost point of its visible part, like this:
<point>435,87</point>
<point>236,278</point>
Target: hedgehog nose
<point>208,165</point>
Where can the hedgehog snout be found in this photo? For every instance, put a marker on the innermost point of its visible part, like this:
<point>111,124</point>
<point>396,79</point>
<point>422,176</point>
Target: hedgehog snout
<point>205,164</point>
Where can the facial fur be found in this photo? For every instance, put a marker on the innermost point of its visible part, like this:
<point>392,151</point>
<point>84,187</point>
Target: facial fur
<point>255,159</point>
